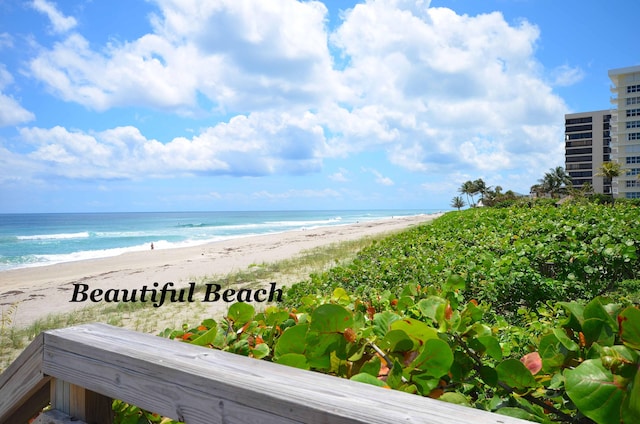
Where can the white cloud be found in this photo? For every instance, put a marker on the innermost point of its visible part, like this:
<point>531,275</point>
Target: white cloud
<point>60,23</point>
<point>6,40</point>
<point>296,194</point>
<point>11,112</point>
<point>242,55</point>
<point>445,91</point>
<point>340,176</point>
<point>245,146</point>
<point>438,91</point>
<point>380,179</point>
<point>566,75</point>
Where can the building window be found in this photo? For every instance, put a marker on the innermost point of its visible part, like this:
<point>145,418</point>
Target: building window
<point>633,89</point>
<point>574,166</point>
<point>579,136</point>
<point>633,101</point>
<point>633,195</point>
<point>633,124</point>
<point>586,158</point>
<point>578,121</point>
<point>633,112</point>
<point>633,136</point>
<point>632,183</point>
<point>633,160</point>
<point>581,174</point>
<point>584,151</point>
<point>578,143</point>
<point>633,172</point>
<point>578,128</point>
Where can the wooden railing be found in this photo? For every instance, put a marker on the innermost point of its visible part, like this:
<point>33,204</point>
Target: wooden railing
<point>78,370</point>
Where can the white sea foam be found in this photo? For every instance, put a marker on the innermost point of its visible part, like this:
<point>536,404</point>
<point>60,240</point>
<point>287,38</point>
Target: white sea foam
<point>63,236</point>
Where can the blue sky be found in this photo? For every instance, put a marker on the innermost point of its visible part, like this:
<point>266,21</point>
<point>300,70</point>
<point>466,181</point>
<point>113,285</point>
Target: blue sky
<point>177,105</point>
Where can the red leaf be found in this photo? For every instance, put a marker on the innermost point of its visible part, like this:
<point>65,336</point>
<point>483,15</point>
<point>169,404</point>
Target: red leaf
<point>533,362</point>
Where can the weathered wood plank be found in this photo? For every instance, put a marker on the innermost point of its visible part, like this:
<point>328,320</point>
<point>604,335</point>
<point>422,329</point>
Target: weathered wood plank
<point>80,403</point>
<point>23,387</point>
<point>199,385</point>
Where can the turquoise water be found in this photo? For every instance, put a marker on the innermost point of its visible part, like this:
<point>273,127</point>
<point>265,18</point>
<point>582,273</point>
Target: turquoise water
<point>43,239</point>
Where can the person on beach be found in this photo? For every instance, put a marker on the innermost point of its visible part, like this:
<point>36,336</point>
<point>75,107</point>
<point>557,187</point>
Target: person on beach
<point>151,246</point>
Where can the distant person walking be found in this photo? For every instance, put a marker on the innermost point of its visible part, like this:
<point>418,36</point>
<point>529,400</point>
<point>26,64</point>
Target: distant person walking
<point>151,246</point>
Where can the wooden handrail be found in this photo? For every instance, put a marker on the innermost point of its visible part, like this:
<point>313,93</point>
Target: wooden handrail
<point>199,385</point>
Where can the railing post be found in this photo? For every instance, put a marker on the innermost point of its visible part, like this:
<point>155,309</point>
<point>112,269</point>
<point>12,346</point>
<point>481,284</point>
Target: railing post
<point>80,403</point>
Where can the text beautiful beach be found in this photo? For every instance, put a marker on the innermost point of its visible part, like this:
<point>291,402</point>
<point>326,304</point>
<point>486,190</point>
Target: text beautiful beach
<point>40,291</point>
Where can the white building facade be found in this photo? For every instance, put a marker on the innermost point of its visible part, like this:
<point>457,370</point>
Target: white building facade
<point>625,130</point>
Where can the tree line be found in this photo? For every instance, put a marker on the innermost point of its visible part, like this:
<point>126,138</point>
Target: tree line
<point>555,183</point>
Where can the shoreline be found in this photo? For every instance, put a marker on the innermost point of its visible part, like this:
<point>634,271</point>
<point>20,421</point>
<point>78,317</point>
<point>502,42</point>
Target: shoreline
<point>44,290</point>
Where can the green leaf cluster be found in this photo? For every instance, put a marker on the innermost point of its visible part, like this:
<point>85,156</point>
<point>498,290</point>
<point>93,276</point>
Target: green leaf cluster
<point>523,312</point>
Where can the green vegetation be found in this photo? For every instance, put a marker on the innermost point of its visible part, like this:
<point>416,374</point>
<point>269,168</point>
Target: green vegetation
<point>527,312</point>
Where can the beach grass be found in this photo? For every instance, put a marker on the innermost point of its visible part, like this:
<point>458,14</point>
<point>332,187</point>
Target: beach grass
<point>144,317</point>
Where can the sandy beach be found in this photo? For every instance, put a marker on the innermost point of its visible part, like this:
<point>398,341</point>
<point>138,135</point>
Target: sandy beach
<point>40,291</point>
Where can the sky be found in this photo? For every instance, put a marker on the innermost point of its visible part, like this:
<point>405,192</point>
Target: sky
<point>195,105</point>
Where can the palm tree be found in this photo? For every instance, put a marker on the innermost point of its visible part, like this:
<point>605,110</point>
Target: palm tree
<point>469,189</point>
<point>458,202</point>
<point>610,170</point>
<point>480,188</point>
<point>555,182</point>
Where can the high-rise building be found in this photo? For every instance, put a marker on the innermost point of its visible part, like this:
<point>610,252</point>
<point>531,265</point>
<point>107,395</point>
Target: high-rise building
<point>625,130</point>
<point>587,147</point>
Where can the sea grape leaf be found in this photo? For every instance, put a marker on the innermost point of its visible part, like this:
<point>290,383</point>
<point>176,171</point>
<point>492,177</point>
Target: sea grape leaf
<point>241,313</point>
<point>575,315</point>
<point>274,318</point>
<point>331,318</point>
<point>209,323</point>
<point>341,296</point>
<point>382,322</point>
<point>515,374</point>
<point>629,320</point>
<point>492,346</point>
<point>533,362</point>
<point>595,392</point>
<point>260,351</point>
<point>429,306</point>
<point>372,366</point>
<point>455,282</point>
<point>415,329</point>
<point>425,382</point>
<point>435,358</point>
<point>551,352</point>
<point>455,397</point>
<point>394,378</point>
<point>562,337</point>
<point>206,338</point>
<point>479,330</point>
<point>489,375</point>
<point>292,340</point>
<point>596,309</point>
<point>322,344</point>
<point>598,331</point>
<point>294,360</point>
<point>472,312</point>
<point>631,404</point>
<point>511,411</point>
<point>369,379</point>
<point>396,341</point>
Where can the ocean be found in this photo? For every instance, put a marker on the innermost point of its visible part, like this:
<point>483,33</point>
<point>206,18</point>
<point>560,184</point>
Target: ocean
<point>28,240</point>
